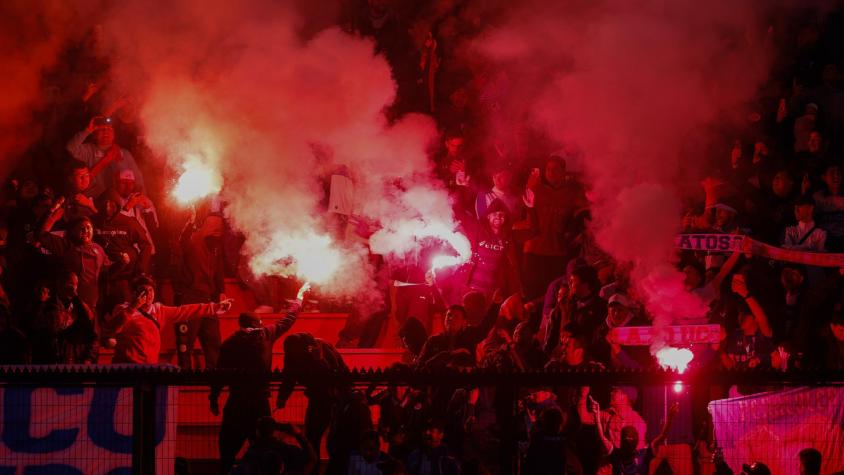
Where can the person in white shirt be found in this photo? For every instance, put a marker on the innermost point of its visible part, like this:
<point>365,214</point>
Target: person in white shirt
<point>806,235</point>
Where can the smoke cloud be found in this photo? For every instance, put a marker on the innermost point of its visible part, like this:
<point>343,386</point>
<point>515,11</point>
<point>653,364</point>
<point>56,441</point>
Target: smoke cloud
<point>31,36</point>
<point>237,88</point>
<point>633,86</point>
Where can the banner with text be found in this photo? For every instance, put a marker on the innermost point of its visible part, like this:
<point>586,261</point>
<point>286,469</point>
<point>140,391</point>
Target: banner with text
<point>676,335</point>
<point>774,427</point>
<point>738,242</point>
<point>709,242</point>
<point>74,430</point>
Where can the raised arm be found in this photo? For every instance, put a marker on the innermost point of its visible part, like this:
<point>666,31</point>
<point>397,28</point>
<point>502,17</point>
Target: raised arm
<point>600,426</point>
<point>192,311</point>
<point>76,147</point>
<point>552,334</point>
<point>44,237</point>
<point>725,270</point>
<point>481,330</point>
<point>739,286</point>
<point>666,426</point>
<point>111,155</point>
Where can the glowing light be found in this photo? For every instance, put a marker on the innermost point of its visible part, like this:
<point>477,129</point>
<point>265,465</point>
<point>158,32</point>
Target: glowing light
<point>457,241</point>
<point>197,181</point>
<point>677,359</point>
<point>313,258</point>
<point>678,387</point>
<point>316,261</point>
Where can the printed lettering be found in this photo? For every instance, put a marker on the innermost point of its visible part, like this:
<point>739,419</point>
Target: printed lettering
<point>17,417</point>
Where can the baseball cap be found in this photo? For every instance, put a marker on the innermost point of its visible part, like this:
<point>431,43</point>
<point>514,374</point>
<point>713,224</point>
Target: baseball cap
<point>620,299</point>
<point>756,468</point>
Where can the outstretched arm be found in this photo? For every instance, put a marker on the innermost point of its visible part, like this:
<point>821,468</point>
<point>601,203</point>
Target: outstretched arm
<point>482,329</point>
<point>666,426</point>
<point>604,440</point>
<point>725,270</point>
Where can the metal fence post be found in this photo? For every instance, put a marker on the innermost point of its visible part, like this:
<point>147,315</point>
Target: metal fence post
<point>509,441</point>
<point>143,428</point>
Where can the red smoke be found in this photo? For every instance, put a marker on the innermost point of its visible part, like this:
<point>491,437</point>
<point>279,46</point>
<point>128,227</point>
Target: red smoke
<point>238,88</point>
<point>31,36</point>
<point>633,86</point>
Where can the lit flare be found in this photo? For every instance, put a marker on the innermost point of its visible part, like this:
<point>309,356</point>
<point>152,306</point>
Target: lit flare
<point>677,359</point>
<point>196,182</point>
<point>457,241</point>
<point>312,258</point>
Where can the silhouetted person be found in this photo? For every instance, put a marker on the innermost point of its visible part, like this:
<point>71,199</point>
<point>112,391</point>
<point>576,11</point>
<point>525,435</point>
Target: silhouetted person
<point>269,455</point>
<point>249,349</point>
<point>810,462</point>
<point>319,367</point>
<point>14,347</point>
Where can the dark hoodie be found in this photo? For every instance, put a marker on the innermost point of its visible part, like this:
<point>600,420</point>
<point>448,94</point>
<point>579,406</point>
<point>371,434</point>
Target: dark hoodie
<point>251,349</point>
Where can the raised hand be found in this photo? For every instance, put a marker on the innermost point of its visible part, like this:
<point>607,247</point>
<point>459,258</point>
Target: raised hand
<point>302,291</point>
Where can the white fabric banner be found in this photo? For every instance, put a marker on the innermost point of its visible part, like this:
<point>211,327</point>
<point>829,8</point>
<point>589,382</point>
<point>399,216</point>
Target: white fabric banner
<point>76,430</point>
<point>773,427</point>
<point>676,335</point>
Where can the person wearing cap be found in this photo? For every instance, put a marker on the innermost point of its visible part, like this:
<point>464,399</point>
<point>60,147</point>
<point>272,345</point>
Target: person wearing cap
<point>502,178</point>
<point>493,265</point>
<point>756,468</point>
<point>805,235</point>
<point>249,349</point>
<point>621,312</point>
<point>725,214</point>
<point>139,322</point>
<point>135,204</point>
<point>126,245</point>
<point>103,156</point>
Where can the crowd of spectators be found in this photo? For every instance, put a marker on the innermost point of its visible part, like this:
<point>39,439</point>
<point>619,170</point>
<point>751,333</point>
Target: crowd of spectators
<point>82,242</point>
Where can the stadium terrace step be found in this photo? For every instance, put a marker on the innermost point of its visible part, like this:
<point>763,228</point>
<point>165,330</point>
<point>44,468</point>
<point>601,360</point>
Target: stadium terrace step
<point>321,325</point>
<point>354,357</point>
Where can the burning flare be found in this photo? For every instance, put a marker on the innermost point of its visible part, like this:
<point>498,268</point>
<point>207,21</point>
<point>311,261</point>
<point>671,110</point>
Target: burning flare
<point>677,359</point>
<point>197,181</point>
<point>457,241</point>
<point>312,258</point>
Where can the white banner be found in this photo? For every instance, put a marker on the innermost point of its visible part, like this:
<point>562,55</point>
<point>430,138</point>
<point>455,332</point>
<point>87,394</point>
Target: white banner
<point>675,335</point>
<point>75,430</point>
<point>774,427</point>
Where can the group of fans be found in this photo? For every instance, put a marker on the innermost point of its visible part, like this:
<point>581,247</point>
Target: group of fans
<point>81,237</point>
